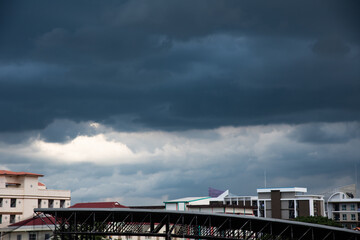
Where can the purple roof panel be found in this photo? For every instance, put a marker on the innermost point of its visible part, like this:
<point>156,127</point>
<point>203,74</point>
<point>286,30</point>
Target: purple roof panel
<point>215,192</point>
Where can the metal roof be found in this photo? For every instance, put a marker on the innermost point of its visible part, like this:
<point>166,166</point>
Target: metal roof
<point>187,199</point>
<point>11,173</point>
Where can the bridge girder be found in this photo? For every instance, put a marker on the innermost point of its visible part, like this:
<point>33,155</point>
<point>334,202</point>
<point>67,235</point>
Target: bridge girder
<point>86,223</point>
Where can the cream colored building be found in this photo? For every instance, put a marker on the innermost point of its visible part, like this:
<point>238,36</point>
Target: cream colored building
<point>21,192</point>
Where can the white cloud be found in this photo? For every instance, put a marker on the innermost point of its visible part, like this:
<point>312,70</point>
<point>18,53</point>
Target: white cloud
<point>263,143</point>
<point>96,149</point>
<point>143,166</point>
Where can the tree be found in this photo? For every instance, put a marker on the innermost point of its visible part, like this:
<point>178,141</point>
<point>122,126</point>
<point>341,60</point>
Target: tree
<point>318,220</point>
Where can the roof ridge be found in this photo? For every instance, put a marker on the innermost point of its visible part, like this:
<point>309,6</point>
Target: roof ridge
<point>7,172</point>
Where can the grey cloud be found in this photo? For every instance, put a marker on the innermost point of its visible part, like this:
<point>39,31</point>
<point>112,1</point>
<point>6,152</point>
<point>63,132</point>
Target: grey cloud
<point>17,137</point>
<point>179,65</point>
<point>241,154</point>
<point>64,130</point>
<point>326,133</point>
<point>331,47</point>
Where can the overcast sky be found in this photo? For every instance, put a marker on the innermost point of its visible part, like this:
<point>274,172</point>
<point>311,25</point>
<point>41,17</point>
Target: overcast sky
<point>144,101</point>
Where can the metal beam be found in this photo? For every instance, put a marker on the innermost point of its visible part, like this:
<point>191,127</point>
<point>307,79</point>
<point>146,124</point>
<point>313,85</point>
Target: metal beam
<point>91,222</point>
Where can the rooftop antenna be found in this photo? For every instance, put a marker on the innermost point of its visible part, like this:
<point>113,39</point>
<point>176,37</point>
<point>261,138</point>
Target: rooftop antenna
<point>265,177</point>
<point>356,179</point>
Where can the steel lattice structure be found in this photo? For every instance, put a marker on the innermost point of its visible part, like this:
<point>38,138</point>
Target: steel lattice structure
<point>83,223</point>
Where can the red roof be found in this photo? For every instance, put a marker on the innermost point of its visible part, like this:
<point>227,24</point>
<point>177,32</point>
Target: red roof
<point>98,205</point>
<point>6,172</point>
<point>41,184</point>
<point>34,221</point>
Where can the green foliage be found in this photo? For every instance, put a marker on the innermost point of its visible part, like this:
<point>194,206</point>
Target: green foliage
<point>318,220</point>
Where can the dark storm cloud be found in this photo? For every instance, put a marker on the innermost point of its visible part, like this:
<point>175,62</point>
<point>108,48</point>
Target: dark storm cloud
<point>177,65</point>
<point>331,47</point>
<point>322,134</point>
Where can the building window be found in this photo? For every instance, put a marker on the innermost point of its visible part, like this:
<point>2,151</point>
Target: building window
<point>39,203</point>
<point>0,219</point>
<point>291,203</point>
<point>18,237</point>
<point>47,236</point>
<point>1,202</point>
<point>12,218</point>
<point>352,207</point>
<point>262,204</point>
<point>13,203</point>
<point>353,217</point>
<point>51,203</point>
<point>32,236</point>
<point>344,217</point>
<point>12,185</point>
<point>62,203</point>
<point>291,214</point>
<point>336,217</point>
<point>343,207</point>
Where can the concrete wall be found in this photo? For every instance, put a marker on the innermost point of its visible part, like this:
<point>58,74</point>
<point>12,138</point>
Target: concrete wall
<point>264,195</point>
<point>304,208</point>
<point>284,214</point>
<point>288,195</point>
<point>275,204</point>
<point>268,213</point>
<point>171,206</point>
<point>284,204</point>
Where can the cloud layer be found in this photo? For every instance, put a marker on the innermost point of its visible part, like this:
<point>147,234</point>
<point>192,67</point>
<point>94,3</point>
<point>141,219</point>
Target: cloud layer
<point>156,165</point>
<point>148,100</point>
<point>180,65</point>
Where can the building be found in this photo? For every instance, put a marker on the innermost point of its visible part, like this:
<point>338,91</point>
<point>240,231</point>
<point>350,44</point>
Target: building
<point>344,208</point>
<point>98,205</point>
<point>21,192</point>
<point>282,203</point>
<point>289,203</point>
<point>222,202</point>
<point>32,229</point>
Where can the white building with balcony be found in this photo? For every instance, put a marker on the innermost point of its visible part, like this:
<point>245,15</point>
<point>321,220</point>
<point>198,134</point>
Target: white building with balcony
<point>21,192</point>
<point>345,209</point>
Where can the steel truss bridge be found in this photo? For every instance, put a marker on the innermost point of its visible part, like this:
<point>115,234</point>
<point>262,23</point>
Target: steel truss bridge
<point>86,223</point>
